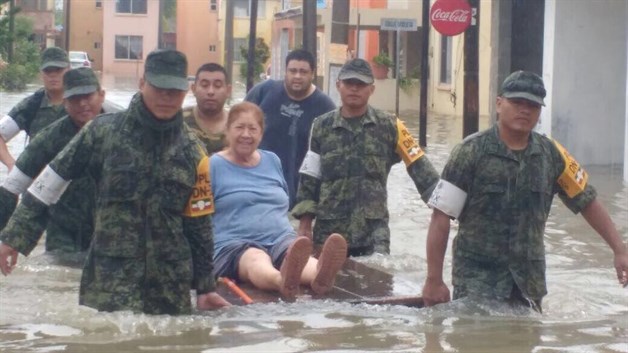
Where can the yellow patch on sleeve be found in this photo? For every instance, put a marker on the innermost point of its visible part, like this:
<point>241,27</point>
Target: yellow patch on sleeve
<point>201,203</point>
<point>573,180</point>
<point>407,147</point>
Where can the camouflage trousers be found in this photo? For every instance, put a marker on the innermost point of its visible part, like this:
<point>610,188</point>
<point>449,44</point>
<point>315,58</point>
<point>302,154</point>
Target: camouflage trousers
<point>364,236</point>
<point>472,278</point>
<point>117,283</point>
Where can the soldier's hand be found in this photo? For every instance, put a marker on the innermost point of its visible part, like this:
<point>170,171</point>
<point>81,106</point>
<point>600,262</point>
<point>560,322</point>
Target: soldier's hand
<point>435,292</point>
<point>210,301</point>
<point>305,227</point>
<point>8,258</point>
<point>621,266</point>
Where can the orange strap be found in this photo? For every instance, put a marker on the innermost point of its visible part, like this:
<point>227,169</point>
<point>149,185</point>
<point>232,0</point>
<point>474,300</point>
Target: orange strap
<point>236,290</point>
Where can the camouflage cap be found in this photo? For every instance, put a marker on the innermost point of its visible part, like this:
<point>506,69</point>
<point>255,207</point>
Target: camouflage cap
<point>54,57</point>
<point>358,69</point>
<point>79,81</point>
<point>524,84</point>
<point>167,69</point>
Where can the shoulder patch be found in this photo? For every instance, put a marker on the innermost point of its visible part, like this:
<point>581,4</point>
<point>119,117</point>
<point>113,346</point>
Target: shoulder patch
<point>407,147</point>
<point>201,203</point>
<point>573,180</point>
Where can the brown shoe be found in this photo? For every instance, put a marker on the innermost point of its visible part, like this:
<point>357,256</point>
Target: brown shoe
<point>292,266</point>
<point>333,256</point>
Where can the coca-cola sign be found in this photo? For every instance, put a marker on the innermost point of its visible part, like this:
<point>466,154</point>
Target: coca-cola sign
<point>450,17</point>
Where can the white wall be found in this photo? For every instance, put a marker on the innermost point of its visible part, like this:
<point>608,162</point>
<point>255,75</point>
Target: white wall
<point>588,79</point>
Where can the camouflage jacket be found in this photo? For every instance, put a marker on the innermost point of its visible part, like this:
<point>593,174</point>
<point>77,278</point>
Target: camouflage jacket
<point>509,195</point>
<point>35,112</point>
<point>70,222</point>
<point>354,165</point>
<point>213,142</point>
<point>148,248</point>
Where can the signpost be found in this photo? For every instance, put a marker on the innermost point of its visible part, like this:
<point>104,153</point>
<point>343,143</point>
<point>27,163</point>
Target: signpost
<point>398,25</point>
<point>450,18</point>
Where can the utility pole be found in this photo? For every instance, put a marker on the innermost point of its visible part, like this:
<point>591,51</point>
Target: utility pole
<point>397,69</point>
<point>340,21</point>
<point>470,114</point>
<point>309,27</point>
<point>229,40</point>
<point>425,47</point>
<point>160,27</point>
<point>357,31</point>
<point>251,63</point>
<point>66,29</point>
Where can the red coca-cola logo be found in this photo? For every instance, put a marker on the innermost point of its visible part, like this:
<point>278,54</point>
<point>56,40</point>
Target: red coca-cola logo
<point>450,17</point>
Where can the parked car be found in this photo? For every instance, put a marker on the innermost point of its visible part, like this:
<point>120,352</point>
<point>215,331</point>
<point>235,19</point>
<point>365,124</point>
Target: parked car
<point>79,59</point>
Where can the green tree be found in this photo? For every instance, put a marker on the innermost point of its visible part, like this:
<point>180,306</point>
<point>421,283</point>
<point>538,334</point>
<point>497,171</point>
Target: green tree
<point>6,37</point>
<point>262,54</point>
<point>25,64</point>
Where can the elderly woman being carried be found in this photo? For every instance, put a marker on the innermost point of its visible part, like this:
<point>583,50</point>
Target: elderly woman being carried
<point>254,240</point>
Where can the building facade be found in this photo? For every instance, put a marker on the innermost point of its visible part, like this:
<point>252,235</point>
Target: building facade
<point>85,29</point>
<point>241,29</point>
<point>197,33</point>
<point>42,13</point>
<point>130,32</point>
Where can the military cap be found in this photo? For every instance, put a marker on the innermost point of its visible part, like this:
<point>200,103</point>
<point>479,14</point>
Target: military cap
<point>524,84</point>
<point>167,69</point>
<point>79,81</point>
<point>358,69</point>
<point>54,57</point>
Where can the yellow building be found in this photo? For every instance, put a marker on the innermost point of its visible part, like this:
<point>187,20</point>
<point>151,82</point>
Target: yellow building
<point>241,27</point>
<point>85,28</point>
<point>197,32</point>
<point>446,76</point>
<point>446,84</point>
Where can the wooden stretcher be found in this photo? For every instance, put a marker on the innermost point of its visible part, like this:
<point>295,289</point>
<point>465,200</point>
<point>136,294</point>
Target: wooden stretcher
<point>356,283</point>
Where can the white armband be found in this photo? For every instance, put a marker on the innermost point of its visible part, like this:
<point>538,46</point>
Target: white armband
<point>448,198</point>
<point>17,182</point>
<point>311,165</point>
<point>48,187</point>
<point>8,128</point>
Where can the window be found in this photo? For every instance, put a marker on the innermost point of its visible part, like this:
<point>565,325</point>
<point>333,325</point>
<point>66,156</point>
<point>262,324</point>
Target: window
<point>34,5</point>
<point>445,59</point>
<point>212,48</point>
<point>237,44</point>
<point>97,45</point>
<point>242,8</point>
<point>99,4</point>
<point>129,47</point>
<point>131,6</point>
<point>213,5</point>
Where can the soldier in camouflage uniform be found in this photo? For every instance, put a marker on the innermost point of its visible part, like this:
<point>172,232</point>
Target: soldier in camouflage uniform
<point>152,228</point>
<point>41,108</point>
<point>344,173</point>
<point>70,223</point>
<point>499,185</point>
<point>208,118</point>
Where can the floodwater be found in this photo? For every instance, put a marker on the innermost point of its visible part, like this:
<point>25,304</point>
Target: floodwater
<point>586,309</point>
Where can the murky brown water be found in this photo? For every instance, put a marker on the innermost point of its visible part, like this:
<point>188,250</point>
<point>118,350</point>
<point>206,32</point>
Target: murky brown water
<point>585,311</point>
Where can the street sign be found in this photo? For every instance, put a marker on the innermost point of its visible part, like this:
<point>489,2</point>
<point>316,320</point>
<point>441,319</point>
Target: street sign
<point>451,17</point>
<point>398,24</point>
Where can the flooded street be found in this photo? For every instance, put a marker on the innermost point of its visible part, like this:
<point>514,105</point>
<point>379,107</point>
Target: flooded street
<point>586,309</point>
